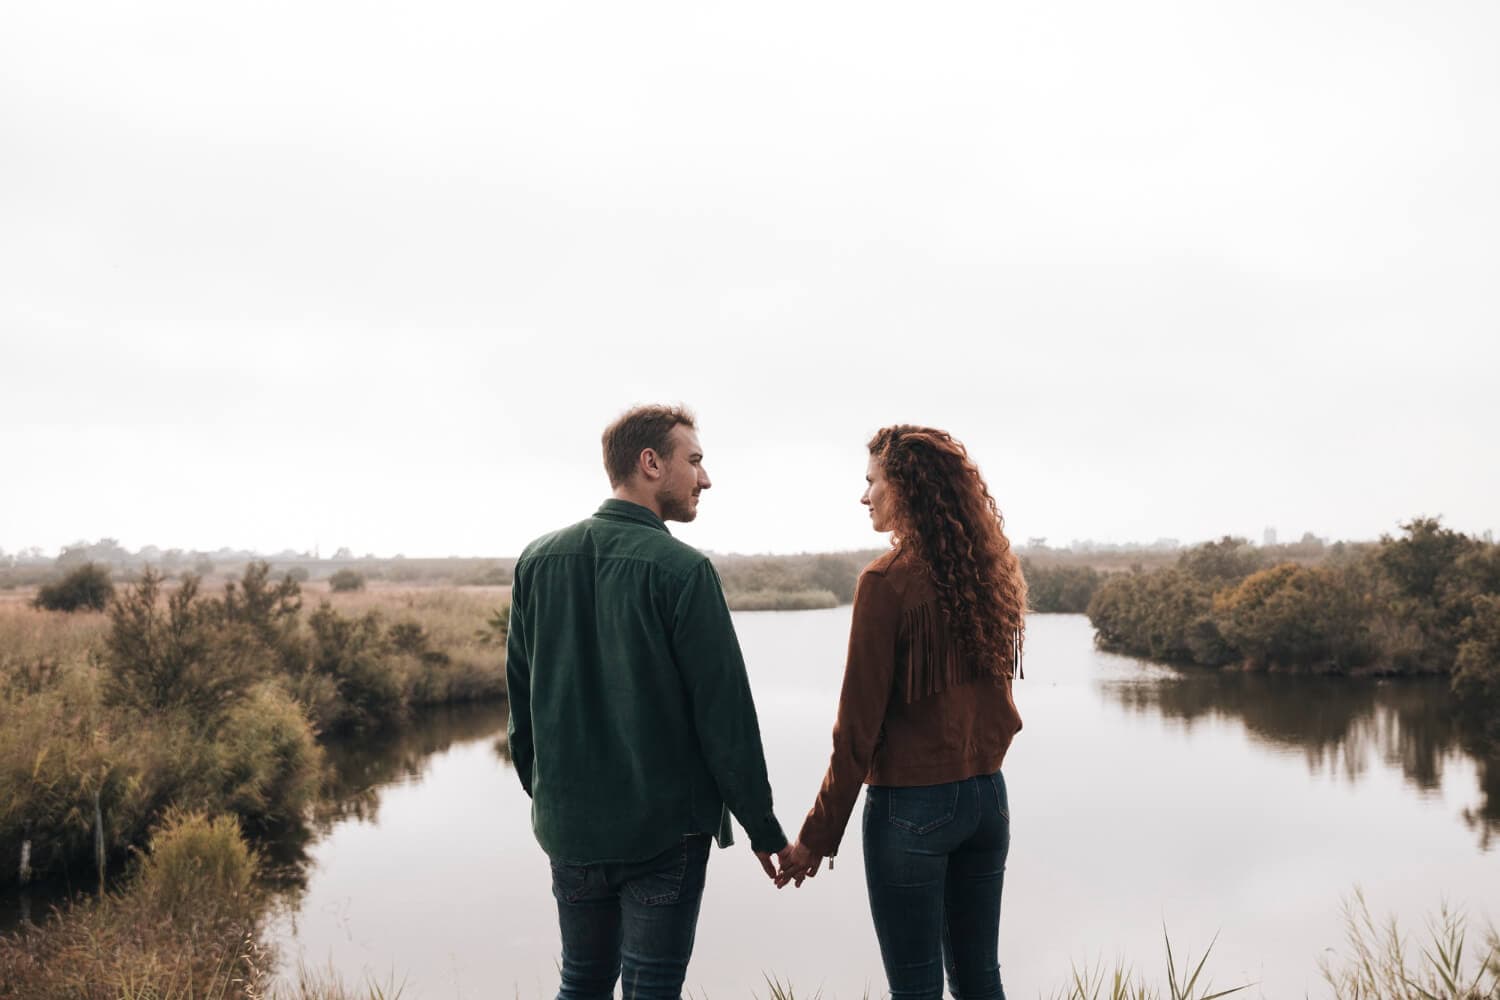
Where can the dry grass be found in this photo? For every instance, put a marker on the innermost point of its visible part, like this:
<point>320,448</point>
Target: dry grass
<point>28,636</point>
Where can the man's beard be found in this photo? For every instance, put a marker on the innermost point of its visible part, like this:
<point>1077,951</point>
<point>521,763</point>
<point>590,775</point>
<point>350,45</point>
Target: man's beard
<point>676,508</point>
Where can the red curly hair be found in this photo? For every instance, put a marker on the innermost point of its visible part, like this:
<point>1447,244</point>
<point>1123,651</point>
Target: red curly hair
<point>946,520</point>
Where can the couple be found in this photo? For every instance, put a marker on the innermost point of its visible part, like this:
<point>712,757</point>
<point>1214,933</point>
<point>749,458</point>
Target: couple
<point>633,730</point>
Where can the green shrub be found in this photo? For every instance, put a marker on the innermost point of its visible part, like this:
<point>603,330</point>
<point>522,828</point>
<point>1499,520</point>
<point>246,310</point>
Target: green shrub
<point>86,588</point>
<point>1295,616</point>
<point>1476,672</point>
<point>1060,589</point>
<point>496,628</point>
<point>346,580</point>
<point>270,762</point>
<point>193,858</point>
<point>186,655</point>
<point>354,655</point>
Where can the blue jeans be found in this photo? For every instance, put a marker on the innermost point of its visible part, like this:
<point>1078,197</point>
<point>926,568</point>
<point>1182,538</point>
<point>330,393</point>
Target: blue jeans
<point>634,919</point>
<point>934,867</point>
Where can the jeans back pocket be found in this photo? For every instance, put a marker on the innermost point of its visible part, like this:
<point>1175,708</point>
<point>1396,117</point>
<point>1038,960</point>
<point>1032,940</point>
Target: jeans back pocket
<point>921,809</point>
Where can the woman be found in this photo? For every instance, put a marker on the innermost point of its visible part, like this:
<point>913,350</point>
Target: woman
<point>925,718</point>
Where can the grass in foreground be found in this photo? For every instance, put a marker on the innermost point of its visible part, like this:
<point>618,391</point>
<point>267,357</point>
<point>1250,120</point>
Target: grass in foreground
<point>187,925</point>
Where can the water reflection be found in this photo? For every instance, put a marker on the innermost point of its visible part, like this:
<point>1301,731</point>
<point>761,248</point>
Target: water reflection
<point>1340,726</point>
<point>359,768</point>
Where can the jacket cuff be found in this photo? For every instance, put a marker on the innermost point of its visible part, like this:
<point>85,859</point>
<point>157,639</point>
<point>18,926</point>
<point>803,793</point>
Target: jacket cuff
<point>815,839</point>
<point>767,835</point>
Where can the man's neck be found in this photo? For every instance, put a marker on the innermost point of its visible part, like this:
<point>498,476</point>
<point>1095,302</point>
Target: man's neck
<point>630,494</point>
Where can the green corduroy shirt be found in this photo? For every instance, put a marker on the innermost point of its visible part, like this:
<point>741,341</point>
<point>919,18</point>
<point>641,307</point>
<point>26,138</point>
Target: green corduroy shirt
<point>631,721</point>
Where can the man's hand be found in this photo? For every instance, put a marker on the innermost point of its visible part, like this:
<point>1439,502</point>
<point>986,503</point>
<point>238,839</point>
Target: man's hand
<point>765,862</point>
<point>797,863</point>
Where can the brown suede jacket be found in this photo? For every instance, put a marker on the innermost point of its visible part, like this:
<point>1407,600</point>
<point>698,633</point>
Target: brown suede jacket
<point>914,709</point>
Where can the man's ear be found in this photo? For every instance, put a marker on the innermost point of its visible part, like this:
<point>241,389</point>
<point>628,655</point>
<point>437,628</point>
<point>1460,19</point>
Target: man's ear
<point>649,464</point>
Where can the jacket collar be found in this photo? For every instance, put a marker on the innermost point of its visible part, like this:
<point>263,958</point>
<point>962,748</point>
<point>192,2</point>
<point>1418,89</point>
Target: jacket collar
<point>623,510</point>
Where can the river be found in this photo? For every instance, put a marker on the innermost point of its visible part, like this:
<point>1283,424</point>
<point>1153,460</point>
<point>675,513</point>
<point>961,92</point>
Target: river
<point>1142,797</point>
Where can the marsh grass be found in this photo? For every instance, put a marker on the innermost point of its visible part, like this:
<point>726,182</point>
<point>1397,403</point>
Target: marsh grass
<point>781,600</point>
<point>179,696</point>
<point>185,925</point>
<point>1448,965</point>
<point>1122,983</point>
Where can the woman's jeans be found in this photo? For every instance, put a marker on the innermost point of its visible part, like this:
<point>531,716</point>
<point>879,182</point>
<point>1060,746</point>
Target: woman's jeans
<point>934,866</point>
<point>633,920</point>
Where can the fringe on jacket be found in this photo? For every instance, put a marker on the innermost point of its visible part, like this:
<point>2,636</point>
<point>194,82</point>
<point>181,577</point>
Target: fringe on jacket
<point>932,660</point>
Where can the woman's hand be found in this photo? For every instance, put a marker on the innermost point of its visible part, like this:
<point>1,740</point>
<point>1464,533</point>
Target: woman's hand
<point>797,863</point>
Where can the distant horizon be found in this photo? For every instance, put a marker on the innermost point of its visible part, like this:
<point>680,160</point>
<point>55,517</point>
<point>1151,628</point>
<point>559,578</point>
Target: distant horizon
<point>34,554</point>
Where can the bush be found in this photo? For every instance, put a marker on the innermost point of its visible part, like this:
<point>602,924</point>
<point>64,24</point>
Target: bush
<point>269,759</point>
<point>1166,615</point>
<point>1060,589</point>
<point>193,858</point>
<point>1476,673</point>
<point>346,580</point>
<point>354,655</point>
<point>188,655</point>
<point>187,925</point>
<point>1295,616</point>
<point>86,588</point>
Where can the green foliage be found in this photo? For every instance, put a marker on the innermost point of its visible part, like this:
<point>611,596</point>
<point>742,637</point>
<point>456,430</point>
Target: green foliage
<point>1403,606</point>
<point>85,588</point>
<point>192,858</point>
<point>1295,616</point>
<point>353,654</point>
<point>189,654</point>
<point>1227,561</point>
<point>1417,563</point>
<point>1059,589</point>
<point>496,628</point>
<point>271,766</point>
<point>1476,671</point>
<point>1166,615</point>
<point>183,698</point>
<point>345,581</point>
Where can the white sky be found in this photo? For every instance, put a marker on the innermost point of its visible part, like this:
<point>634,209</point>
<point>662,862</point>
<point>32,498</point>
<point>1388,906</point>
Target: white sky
<point>377,274</point>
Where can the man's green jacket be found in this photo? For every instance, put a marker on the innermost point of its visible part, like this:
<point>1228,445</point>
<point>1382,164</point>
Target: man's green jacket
<point>631,721</point>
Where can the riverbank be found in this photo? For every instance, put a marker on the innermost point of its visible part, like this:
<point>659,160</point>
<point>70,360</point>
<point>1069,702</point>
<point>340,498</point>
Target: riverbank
<point>179,697</point>
<point>1424,603</point>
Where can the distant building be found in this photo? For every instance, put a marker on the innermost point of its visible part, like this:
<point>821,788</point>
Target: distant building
<point>1268,537</point>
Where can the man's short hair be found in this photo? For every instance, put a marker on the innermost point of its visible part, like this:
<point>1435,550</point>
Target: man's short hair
<point>637,429</point>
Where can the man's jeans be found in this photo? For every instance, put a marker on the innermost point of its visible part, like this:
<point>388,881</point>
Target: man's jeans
<point>635,920</point>
<point>934,867</point>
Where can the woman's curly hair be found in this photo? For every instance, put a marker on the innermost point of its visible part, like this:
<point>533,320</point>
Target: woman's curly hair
<point>944,517</point>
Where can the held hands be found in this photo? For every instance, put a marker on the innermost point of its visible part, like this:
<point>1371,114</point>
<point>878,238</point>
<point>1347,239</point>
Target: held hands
<point>794,861</point>
<point>797,863</point>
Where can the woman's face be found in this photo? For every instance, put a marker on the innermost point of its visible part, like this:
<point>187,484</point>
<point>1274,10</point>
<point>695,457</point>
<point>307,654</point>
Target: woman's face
<point>877,496</point>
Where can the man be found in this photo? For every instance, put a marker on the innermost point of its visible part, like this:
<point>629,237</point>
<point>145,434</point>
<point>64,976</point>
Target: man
<point>631,722</point>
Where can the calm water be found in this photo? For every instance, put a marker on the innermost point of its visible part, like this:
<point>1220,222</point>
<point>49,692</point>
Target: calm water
<point>1240,805</point>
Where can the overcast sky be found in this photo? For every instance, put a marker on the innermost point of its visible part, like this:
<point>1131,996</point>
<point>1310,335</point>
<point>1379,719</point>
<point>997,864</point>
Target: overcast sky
<point>377,274</point>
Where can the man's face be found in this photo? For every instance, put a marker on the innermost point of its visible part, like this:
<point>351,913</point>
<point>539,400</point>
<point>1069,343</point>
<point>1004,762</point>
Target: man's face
<point>683,476</point>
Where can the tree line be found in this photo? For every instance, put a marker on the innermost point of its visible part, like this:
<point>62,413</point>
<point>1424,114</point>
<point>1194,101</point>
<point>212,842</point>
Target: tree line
<point>1424,602</point>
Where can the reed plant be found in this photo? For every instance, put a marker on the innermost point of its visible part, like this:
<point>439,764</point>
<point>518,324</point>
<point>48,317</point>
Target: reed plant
<point>1121,982</point>
<point>1380,964</point>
